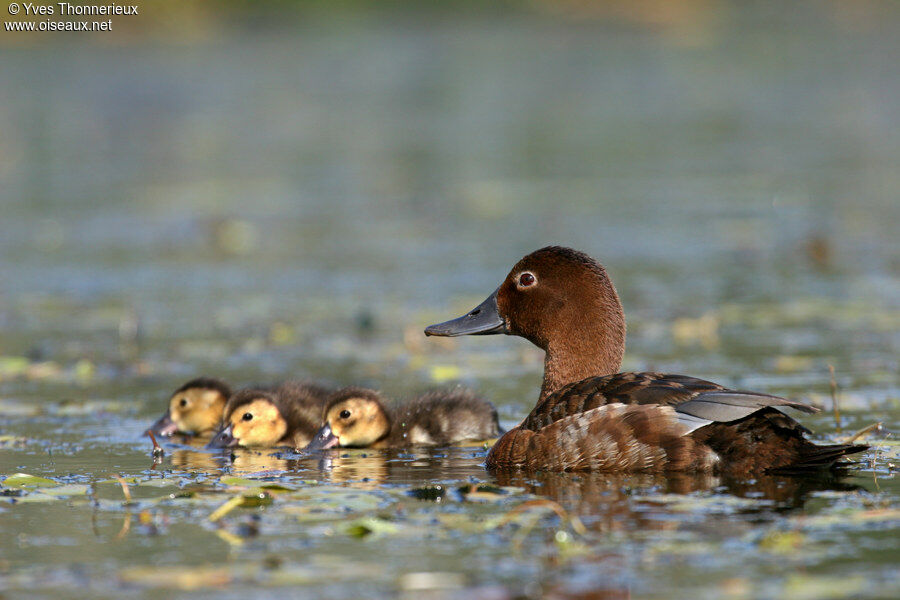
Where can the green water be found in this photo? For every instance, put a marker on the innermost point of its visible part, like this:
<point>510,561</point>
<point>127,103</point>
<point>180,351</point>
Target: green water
<point>301,200</point>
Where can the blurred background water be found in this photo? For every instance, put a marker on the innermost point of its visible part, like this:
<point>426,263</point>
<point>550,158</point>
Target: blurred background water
<point>271,190</point>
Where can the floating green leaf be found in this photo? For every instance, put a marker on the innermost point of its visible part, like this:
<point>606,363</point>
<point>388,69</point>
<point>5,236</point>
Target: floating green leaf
<point>482,493</point>
<point>254,500</point>
<point>36,497</point>
<point>71,489</point>
<point>179,578</point>
<point>367,526</point>
<point>12,440</point>
<point>240,482</point>
<point>429,492</point>
<point>782,542</point>
<point>244,501</point>
<point>11,366</point>
<point>275,487</point>
<point>26,480</point>
<point>128,480</point>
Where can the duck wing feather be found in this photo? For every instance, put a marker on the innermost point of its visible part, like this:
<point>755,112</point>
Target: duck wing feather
<point>688,395</point>
<point>728,405</point>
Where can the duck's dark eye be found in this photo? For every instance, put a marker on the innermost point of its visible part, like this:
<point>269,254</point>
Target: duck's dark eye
<point>248,416</point>
<point>526,279</point>
<point>345,414</point>
<point>182,403</point>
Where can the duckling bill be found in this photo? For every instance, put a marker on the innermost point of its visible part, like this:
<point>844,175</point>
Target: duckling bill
<point>591,417</point>
<point>194,408</point>
<point>287,415</point>
<point>359,418</point>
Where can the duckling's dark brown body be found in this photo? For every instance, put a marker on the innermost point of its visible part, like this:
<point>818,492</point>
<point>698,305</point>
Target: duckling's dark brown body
<point>302,403</point>
<point>441,418</point>
<point>359,417</point>
<point>590,417</point>
<point>286,415</point>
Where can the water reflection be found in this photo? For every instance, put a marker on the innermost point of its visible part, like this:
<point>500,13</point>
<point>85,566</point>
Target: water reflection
<point>408,467</point>
<point>788,492</point>
<point>360,471</point>
<point>609,495</point>
<point>365,469</point>
<point>244,462</point>
<point>614,495</point>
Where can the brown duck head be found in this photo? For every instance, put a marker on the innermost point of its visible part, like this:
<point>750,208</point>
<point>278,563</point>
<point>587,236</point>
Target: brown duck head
<point>195,407</point>
<point>562,301</point>
<point>354,418</point>
<point>253,418</point>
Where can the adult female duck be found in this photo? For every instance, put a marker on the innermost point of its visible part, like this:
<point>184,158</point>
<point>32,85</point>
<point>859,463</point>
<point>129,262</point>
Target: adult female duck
<point>590,417</point>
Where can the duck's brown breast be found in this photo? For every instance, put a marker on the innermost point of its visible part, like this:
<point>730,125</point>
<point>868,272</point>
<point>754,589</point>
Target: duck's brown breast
<point>612,437</point>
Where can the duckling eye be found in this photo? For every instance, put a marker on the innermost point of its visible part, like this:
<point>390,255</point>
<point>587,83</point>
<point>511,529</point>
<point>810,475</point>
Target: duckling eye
<point>526,279</point>
<point>247,416</point>
<point>182,403</point>
<point>345,414</point>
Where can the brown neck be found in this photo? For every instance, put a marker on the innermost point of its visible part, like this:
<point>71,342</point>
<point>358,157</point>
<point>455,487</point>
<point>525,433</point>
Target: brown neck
<point>592,346</point>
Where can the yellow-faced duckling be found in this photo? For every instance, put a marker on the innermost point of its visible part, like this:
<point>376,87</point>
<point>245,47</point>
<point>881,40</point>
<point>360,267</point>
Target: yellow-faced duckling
<point>359,418</point>
<point>196,407</point>
<point>589,416</point>
<point>287,415</point>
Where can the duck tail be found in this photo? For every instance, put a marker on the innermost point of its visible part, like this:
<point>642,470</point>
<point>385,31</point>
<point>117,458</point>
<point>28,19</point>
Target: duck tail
<point>816,458</point>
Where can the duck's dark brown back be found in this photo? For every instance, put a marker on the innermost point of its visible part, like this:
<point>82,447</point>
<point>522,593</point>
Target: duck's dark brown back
<point>623,388</point>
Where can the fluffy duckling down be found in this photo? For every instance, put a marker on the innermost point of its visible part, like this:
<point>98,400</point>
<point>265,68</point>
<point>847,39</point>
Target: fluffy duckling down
<point>194,408</point>
<point>287,415</point>
<point>359,418</point>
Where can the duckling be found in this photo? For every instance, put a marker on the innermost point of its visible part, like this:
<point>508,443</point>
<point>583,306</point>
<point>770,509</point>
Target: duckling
<point>358,417</point>
<point>195,407</point>
<point>590,417</point>
<point>287,415</point>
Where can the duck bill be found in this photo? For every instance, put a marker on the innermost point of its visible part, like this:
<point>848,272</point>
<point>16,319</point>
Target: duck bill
<point>165,426</point>
<point>224,439</point>
<point>323,440</point>
<point>484,319</point>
